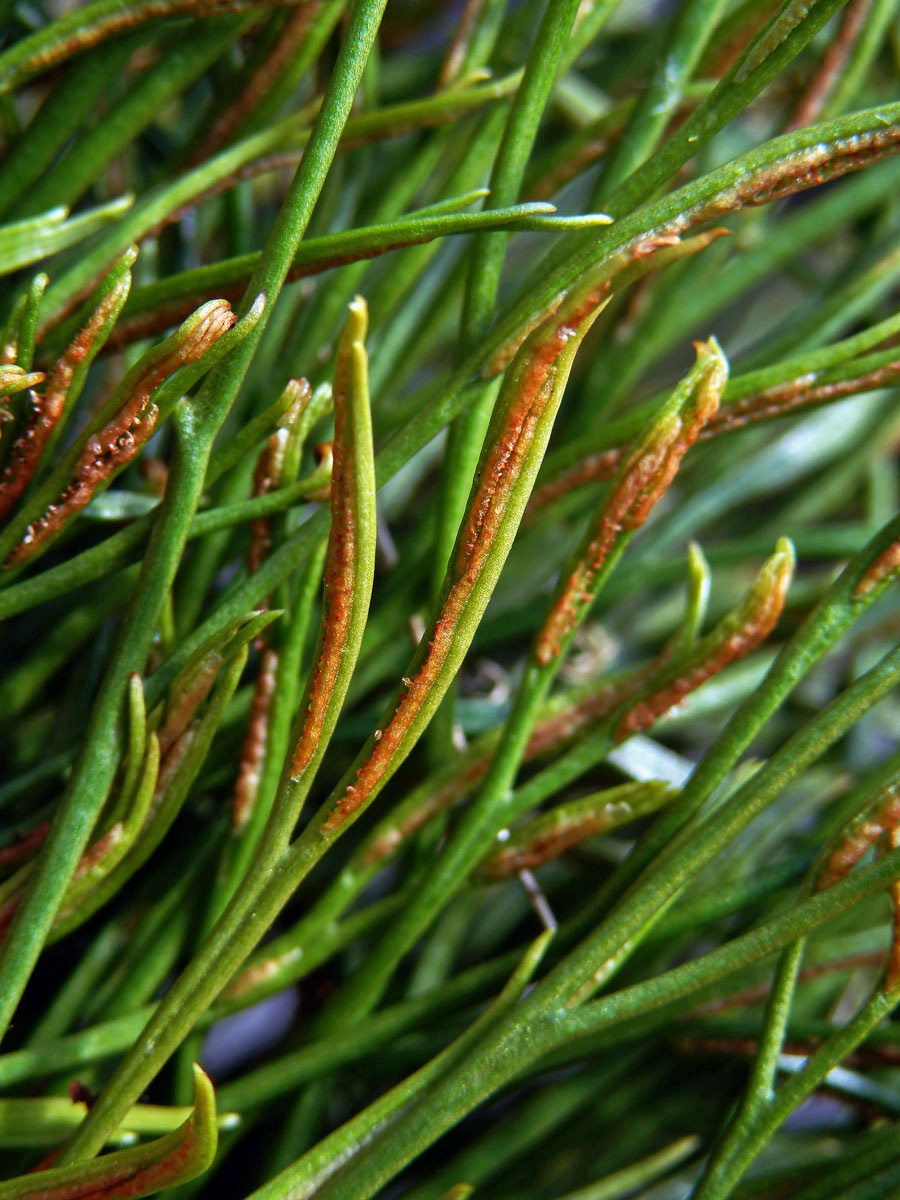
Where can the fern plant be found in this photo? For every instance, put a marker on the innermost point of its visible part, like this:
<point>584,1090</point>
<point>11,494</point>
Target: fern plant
<point>449,723</point>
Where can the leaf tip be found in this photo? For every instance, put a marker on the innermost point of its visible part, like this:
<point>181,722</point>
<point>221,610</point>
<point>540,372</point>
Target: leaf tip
<point>358,322</point>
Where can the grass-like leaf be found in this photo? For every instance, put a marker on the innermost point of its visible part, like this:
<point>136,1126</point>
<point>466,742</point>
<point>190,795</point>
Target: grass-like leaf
<point>407,630</point>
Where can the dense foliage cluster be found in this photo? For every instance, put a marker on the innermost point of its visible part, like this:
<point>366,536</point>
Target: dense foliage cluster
<point>439,700</point>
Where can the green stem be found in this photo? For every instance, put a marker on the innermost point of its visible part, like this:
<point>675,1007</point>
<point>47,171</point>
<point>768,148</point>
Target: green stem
<point>232,939</point>
<point>534,1029</point>
<point>724,1174</point>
